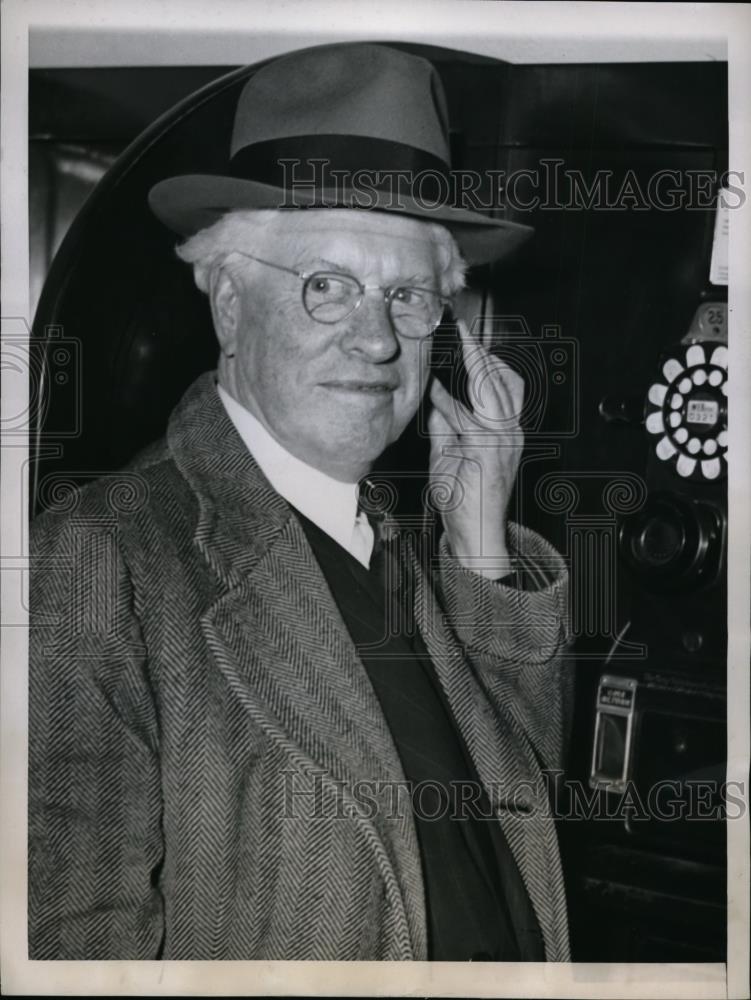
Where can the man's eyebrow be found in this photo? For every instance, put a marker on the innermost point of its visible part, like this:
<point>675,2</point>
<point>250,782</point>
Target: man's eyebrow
<point>307,263</point>
<point>422,280</point>
<point>419,280</point>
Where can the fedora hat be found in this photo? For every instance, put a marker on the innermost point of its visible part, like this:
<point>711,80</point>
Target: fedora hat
<point>339,126</point>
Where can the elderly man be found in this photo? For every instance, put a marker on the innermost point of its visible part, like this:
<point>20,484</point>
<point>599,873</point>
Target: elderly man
<point>254,699</point>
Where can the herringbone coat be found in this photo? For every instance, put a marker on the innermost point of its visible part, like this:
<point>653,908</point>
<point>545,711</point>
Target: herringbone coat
<point>200,721</point>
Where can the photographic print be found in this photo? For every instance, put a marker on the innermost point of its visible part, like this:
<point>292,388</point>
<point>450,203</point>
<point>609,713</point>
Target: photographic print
<point>375,534</point>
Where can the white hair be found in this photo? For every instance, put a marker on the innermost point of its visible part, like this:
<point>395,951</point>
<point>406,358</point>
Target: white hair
<point>207,248</point>
<point>248,232</point>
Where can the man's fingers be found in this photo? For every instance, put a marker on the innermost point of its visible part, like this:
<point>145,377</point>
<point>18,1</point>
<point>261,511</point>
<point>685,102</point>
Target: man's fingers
<point>495,390</point>
<point>488,403</point>
<point>437,423</point>
<point>456,415</point>
<point>441,430</point>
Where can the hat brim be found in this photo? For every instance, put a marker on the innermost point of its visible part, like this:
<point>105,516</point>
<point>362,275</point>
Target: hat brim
<point>194,201</point>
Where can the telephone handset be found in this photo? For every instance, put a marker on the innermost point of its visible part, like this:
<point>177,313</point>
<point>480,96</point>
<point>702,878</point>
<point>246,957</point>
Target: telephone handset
<point>447,359</point>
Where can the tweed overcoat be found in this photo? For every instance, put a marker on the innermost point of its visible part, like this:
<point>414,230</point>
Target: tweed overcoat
<point>202,728</point>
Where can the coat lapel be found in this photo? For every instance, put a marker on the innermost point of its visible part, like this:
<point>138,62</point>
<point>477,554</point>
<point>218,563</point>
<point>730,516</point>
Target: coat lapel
<point>277,636</point>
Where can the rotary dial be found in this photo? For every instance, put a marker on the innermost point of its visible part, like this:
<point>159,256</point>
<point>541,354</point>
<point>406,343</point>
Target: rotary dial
<point>687,411</point>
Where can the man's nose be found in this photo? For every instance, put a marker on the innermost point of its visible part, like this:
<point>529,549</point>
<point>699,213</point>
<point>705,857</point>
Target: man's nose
<point>369,330</point>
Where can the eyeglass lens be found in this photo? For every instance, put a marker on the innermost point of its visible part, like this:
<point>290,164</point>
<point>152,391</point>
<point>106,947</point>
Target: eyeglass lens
<point>329,298</point>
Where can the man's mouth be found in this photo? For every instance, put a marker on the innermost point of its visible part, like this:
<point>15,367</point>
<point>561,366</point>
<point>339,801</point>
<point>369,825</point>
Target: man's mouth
<point>354,385</point>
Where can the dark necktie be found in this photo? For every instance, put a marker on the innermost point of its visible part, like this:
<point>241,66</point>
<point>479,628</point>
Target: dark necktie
<point>368,503</point>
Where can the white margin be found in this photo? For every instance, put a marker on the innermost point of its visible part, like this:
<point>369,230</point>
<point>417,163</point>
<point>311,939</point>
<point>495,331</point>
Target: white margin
<point>171,32</point>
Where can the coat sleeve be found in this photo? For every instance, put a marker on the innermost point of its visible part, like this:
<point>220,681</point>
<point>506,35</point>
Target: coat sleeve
<point>95,844</point>
<point>517,640</point>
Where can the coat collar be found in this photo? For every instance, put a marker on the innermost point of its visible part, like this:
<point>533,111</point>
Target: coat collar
<point>240,514</point>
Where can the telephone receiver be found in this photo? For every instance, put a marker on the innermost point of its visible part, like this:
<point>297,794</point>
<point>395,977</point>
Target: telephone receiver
<point>447,359</point>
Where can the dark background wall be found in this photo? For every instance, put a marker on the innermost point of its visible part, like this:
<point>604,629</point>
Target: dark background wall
<point>613,288</point>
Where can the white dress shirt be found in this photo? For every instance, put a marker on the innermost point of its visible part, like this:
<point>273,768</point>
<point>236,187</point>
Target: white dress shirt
<point>327,502</point>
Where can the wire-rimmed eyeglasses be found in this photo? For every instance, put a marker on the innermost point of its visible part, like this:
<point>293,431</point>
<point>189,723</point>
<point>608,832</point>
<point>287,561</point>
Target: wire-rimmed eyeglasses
<point>331,296</point>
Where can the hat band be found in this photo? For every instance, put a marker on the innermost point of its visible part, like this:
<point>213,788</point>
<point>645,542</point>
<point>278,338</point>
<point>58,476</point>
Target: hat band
<point>312,164</point>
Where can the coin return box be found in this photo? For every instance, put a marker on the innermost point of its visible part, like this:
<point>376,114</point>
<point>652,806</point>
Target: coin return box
<point>614,726</point>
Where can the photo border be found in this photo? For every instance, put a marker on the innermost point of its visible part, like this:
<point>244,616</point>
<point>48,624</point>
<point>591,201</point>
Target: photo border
<point>242,32</point>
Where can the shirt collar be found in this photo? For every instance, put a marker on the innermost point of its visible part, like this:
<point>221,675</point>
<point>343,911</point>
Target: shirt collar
<point>327,502</point>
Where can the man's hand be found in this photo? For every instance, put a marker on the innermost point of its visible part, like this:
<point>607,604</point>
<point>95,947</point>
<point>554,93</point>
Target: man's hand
<point>474,457</point>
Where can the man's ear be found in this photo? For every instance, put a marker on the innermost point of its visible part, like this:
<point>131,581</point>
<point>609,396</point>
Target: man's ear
<point>225,300</point>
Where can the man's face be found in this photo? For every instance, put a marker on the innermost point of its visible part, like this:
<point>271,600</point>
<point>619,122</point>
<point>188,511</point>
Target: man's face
<point>336,395</point>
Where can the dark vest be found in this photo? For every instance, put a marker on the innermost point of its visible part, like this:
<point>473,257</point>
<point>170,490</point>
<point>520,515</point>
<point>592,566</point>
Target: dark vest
<point>477,904</point>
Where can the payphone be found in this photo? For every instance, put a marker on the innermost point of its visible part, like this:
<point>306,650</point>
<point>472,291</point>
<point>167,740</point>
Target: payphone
<point>658,755</point>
